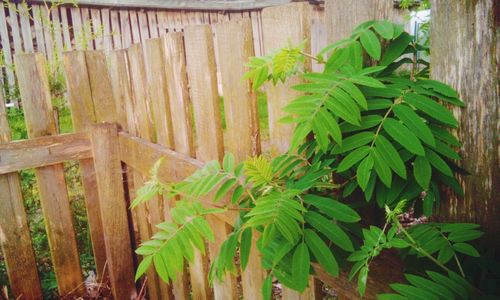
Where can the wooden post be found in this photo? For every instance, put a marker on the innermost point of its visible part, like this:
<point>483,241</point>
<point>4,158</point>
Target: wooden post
<point>282,26</point>
<point>342,16</point>
<point>36,99</point>
<point>465,53</point>
<point>200,59</point>
<point>15,234</point>
<point>113,207</point>
<point>83,115</point>
<point>235,47</point>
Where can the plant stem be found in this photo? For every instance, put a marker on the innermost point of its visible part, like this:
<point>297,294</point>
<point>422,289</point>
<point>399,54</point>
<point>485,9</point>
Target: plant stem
<point>415,246</point>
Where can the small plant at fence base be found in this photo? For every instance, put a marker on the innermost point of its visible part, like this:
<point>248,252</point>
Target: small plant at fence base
<point>362,128</point>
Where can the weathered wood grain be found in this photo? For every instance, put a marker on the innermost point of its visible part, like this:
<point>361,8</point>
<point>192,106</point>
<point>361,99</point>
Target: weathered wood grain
<point>200,59</point>
<point>113,210</point>
<point>43,151</point>
<point>144,129</point>
<point>282,26</point>
<point>36,99</point>
<point>467,58</point>
<point>158,93</point>
<point>15,239</point>
<point>339,24</point>
<point>178,92</point>
<point>83,115</point>
<point>235,47</point>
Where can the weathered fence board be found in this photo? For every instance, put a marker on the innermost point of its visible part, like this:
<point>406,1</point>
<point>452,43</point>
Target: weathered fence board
<point>235,46</point>
<point>282,26</point>
<point>200,59</point>
<point>15,240</point>
<point>40,121</point>
<point>114,210</point>
<point>83,114</point>
<point>143,128</point>
<point>467,58</point>
<point>43,151</point>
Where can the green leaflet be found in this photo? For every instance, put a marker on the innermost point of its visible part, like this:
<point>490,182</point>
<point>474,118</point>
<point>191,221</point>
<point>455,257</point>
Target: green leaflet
<point>370,42</point>
<point>422,171</point>
<point>403,136</point>
<point>381,167</point>
<point>414,123</point>
<point>368,121</point>
<point>367,81</point>
<point>224,189</point>
<point>245,246</point>
<point>267,287</point>
<point>466,249</point>
<point>364,171</point>
<point>321,252</point>
<point>329,229</point>
<point>143,267</point>
<point>438,163</point>
<point>355,93</point>
<point>354,142</point>
<point>384,28</point>
<point>395,49</point>
<point>300,267</point>
<point>333,208</point>
<point>431,108</point>
<point>353,157</point>
<point>390,155</point>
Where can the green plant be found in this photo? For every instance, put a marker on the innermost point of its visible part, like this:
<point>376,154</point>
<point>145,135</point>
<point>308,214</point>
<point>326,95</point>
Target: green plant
<point>363,130</point>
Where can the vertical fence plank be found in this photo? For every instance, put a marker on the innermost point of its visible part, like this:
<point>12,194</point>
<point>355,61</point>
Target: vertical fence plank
<point>134,24</point>
<point>35,95</point>
<point>340,24</point>
<point>87,29</point>
<point>108,171</point>
<point>153,24</point>
<point>175,67</point>
<point>100,83</point>
<point>106,29</point>
<point>126,34</point>
<point>121,87</point>
<point>158,92</point>
<point>14,28</point>
<point>4,38</point>
<point>178,93</point>
<point>283,25</point>
<point>235,46</point>
<point>144,129</point>
<point>15,238</point>
<point>83,114</point>
<point>56,30</point>
<point>24,16</point>
<point>65,29</point>
<point>78,28</point>
<point>115,30</point>
<point>47,35</point>
<point>201,68</point>
<point>95,15</point>
<point>143,25</point>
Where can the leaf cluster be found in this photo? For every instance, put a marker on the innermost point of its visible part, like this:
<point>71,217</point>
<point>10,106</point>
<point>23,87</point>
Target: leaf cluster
<point>371,125</point>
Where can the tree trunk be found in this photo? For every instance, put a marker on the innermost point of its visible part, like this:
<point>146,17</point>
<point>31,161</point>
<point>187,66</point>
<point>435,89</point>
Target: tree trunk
<point>465,53</point>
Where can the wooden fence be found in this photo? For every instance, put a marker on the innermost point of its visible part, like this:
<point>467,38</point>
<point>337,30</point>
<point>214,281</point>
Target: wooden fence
<point>164,94</point>
<point>36,27</point>
<point>153,90</point>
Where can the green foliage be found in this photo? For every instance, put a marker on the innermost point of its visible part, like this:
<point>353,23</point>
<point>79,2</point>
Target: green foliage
<point>362,128</point>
